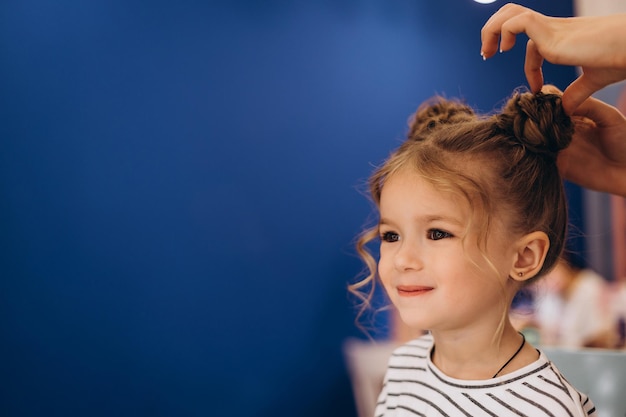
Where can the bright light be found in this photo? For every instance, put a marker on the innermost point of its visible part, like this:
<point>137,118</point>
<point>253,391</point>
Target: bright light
<point>484,1</point>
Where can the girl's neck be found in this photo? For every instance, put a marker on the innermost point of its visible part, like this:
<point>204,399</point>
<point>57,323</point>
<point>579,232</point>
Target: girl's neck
<point>476,355</point>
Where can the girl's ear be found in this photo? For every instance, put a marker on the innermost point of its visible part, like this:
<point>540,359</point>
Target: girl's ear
<point>531,251</point>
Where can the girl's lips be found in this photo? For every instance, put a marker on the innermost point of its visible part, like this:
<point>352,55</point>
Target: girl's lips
<point>412,290</point>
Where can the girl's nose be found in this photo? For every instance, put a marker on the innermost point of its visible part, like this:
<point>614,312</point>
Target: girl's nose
<point>408,257</point>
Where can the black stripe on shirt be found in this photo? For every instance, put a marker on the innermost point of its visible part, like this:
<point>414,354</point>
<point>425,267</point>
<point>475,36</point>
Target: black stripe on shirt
<point>443,394</point>
<point>479,405</point>
<point>539,406</point>
<point>411,410</point>
<point>422,399</point>
<point>507,406</point>
<point>407,368</point>
<point>547,395</point>
<point>560,386</point>
<point>408,355</point>
<point>495,384</point>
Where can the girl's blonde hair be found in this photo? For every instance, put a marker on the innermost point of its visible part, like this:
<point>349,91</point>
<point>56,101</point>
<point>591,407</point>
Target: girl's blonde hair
<point>502,164</point>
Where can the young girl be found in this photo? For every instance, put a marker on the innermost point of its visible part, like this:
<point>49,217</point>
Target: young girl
<point>471,209</point>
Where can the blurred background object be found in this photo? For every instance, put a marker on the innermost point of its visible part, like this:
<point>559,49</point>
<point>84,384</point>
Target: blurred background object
<point>573,307</point>
<point>599,373</point>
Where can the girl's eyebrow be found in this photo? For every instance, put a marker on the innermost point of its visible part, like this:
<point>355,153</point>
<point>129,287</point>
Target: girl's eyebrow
<point>435,218</point>
<point>428,219</point>
<point>383,222</point>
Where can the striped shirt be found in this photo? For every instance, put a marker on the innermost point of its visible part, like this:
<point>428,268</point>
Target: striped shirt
<point>413,386</point>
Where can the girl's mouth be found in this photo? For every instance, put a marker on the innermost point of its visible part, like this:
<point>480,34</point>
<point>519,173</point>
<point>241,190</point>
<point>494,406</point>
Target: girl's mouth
<point>413,290</point>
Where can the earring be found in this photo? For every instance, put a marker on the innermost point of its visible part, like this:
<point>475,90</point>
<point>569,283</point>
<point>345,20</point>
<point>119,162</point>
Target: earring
<point>520,274</point>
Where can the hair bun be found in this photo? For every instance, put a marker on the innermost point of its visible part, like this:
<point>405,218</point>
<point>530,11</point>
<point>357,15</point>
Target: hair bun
<point>538,122</point>
<point>436,112</point>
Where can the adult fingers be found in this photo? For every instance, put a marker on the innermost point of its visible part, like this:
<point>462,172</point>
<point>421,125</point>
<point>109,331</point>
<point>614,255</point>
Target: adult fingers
<point>532,66</point>
<point>589,108</point>
<point>492,30</point>
<point>577,92</point>
<point>601,113</point>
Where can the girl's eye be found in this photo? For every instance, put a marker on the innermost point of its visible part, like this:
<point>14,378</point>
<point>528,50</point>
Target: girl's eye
<point>436,234</point>
<point>389,237</point>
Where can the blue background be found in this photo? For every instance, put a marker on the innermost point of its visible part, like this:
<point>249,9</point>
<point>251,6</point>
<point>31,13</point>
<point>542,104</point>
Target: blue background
<point>181,186</point>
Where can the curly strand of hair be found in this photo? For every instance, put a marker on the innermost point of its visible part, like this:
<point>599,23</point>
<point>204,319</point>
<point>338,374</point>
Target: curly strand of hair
<point>365,288</point>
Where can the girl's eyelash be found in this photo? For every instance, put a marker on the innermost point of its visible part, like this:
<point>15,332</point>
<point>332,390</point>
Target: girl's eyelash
<point>438,234</point>
<point>432,234</point>
<point>389,237</point>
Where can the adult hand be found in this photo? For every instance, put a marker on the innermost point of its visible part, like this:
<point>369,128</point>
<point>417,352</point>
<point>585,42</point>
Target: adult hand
<point>596,158</point>
<point>596,44</point>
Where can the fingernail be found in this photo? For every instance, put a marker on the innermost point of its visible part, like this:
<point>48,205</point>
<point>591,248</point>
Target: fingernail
<point>500,50</point>
<point>483,55</point>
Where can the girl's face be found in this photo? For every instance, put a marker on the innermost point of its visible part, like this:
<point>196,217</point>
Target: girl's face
<point>426,269</point>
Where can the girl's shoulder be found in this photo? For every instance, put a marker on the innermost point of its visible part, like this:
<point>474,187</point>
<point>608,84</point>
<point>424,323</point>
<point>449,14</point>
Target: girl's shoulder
<point>542,383</point>
<point>420,346</point>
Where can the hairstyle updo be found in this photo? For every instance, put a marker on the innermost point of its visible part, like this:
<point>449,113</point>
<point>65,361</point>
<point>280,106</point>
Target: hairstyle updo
<point>538,122</point>
<point>437,112</point>
<point>503,164</point>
